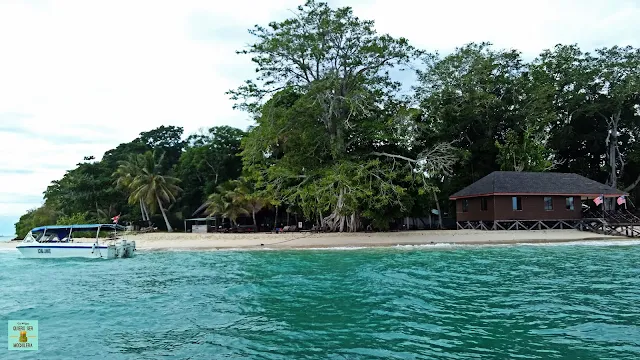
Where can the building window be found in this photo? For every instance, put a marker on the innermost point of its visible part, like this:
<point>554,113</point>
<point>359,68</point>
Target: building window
<point>548,203</point>
<point>516,203</point>
<point>570,203</point>
<point>465,205</point>
<point>483,204</point>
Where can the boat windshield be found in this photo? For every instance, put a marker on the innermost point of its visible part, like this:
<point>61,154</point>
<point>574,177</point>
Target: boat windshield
<point>47,237</point>
<point>53,237</point>
<point>31,237</point>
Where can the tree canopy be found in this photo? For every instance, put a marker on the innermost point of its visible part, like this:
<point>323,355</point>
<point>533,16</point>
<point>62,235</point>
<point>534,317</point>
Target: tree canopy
<point>325,139</point>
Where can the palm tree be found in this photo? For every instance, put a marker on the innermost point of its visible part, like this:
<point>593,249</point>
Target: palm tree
<point>227,202</point>
<point>254,200</point>
<point>127,171</point>
<point>148,185</point>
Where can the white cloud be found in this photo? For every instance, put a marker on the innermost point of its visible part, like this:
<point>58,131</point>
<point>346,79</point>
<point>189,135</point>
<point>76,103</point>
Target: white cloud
<point>103,71</point>
<point>529,26</point>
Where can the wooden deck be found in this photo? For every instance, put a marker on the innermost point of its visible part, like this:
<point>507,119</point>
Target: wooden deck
<point>620,223</point>
<point>519,224</point>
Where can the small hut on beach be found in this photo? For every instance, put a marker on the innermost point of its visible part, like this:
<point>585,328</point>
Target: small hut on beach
<point>533,200</point>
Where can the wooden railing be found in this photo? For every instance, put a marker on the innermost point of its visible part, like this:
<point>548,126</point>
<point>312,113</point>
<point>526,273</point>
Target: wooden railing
<point>613,216</point>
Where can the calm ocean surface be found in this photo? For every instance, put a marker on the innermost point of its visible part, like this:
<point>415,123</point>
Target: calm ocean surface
<point>516,302</point>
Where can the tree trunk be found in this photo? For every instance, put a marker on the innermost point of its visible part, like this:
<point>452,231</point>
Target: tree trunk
<point>613,142</point>
<point>338,222</point>
<point>144,214</point>
<point>255,223</point>
<point>435,197</point>
<point>610,204</point>
<point>146,211</point>
<point>164,215</point>
<point>275,222</point>
<point>288,217</point>
<point>142,211</point>
<point>613,148</point>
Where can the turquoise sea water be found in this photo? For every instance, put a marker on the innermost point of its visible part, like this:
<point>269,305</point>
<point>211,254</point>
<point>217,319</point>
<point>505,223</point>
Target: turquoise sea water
<point>516,302</point>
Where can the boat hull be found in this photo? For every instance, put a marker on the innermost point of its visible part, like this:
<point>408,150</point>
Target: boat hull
<point>67,250</point>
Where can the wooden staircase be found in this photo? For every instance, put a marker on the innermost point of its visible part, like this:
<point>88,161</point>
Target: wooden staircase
<point>614,223</point>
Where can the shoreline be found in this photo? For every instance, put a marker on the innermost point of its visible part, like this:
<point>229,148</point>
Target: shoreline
<point>292,241</point>
<point>425,246</point>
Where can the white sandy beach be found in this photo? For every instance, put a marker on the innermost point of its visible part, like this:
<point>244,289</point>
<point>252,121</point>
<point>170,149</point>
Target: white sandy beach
<point>188,241</point>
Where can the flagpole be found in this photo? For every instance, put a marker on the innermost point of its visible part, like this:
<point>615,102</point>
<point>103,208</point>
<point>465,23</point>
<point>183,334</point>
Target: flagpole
<point>115,228</point>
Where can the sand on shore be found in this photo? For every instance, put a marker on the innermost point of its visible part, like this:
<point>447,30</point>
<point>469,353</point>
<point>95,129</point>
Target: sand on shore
<point>301,240</point>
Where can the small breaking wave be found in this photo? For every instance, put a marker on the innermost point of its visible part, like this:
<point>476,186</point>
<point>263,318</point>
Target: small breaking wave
<point>424,246</point>
<point>586,243</point>
<point>431,246</point>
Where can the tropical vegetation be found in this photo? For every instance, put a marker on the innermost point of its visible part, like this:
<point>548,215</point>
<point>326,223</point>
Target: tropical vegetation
<point>355,128</point>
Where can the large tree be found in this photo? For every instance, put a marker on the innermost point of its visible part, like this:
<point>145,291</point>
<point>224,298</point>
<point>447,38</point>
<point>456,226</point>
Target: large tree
<point>595,98</point>
<point>482,99</point>
<point>323,141</point>
<point>167,142</point>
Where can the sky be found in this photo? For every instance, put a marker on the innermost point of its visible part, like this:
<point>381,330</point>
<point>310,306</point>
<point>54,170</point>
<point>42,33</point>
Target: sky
<point>78,78</point>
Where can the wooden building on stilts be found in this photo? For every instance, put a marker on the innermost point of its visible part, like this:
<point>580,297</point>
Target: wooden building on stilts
<point>510,200</point>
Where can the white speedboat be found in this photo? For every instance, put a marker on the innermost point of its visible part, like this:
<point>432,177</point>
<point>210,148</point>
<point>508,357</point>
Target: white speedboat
<point>56,241</point>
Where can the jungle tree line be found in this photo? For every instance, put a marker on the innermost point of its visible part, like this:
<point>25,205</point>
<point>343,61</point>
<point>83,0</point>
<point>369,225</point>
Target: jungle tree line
<point>337,141</point>
<point>158,178</point>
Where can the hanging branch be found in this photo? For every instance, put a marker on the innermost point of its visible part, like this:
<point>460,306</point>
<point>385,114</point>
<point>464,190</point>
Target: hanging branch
<point>437,160</point>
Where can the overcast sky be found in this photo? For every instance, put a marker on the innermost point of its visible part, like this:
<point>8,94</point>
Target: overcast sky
<point>79,77</point>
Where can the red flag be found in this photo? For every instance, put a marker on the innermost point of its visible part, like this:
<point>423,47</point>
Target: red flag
<point>115,219</point>
<point>598,200</point>
<point>621,200</point>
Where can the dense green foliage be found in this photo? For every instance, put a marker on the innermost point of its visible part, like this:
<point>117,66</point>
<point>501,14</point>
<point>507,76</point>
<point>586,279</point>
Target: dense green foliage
<point>44,215</point>
<point>130,179</point>
<point>337,141</point>
<point>236,198</point>
<point>209,159</point>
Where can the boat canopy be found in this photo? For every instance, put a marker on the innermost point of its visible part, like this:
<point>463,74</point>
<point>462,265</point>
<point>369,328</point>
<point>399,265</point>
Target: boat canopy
<point>85,227</point>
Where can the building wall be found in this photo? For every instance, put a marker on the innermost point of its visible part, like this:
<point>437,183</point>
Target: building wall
<point>500,208</point>
<point>475,213</point>
<point>533,209</point>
